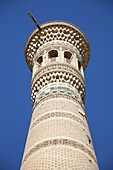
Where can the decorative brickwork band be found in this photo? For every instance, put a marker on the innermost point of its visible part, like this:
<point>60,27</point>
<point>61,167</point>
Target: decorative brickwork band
<point>70,143</point>
<point>57,67</point>
<point>57,76</point>
<point>57,96</point>
<point>58,114</point>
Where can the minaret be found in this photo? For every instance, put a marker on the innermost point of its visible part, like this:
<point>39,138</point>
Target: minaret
<point>59,137</point>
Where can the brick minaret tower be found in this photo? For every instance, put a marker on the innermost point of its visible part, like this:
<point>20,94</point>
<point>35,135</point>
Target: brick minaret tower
<point>59,137</point>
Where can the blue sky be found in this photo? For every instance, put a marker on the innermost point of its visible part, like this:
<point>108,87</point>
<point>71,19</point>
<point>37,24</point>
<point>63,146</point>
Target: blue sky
<point>95,19</point>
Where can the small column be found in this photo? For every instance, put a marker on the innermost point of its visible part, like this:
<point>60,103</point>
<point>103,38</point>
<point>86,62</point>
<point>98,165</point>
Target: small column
<point>44,58</point>
<point>76,62</point>
<point>82,71</point>
<point>61,55</point>
<point>34,68</point>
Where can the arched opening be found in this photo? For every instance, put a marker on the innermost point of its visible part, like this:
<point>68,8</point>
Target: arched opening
<point>79,65</point>
<point>67,56</point>
<point>52,55</point>
<point>39,60</point>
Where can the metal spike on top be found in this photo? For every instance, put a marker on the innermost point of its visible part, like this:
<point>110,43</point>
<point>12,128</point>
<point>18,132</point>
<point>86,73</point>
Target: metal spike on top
<point>34,20</point>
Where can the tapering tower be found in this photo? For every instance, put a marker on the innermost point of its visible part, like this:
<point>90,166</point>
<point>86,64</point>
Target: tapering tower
<point>59,136</point>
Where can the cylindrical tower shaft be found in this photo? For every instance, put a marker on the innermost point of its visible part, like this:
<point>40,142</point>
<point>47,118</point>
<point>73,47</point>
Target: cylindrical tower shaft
<point>59,136</point>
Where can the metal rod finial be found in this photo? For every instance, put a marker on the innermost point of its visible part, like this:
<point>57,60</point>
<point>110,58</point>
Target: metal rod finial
<point>34,20</point>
